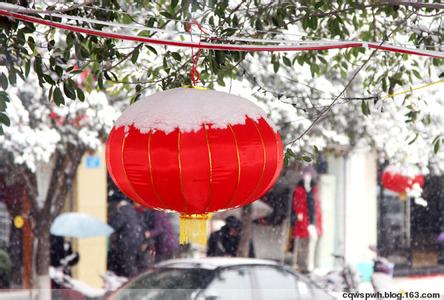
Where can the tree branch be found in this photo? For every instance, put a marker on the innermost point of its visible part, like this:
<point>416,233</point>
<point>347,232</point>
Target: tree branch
<point>60,196</point>
<point>124,58</point>
<point>415,4</point>
<point>26,10</point>
<point>328,109</point>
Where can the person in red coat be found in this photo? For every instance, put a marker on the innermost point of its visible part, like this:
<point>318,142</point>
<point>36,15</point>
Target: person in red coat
<point>307,226</point>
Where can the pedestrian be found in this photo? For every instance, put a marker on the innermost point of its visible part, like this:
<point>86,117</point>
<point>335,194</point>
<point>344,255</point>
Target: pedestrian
<point>62,255</point>
<point>126,239</point>
<point>162,231</point>
<point>147,253</point>
<point>225,242</point>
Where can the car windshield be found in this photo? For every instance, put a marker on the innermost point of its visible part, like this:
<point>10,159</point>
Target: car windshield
<point>166,283</point>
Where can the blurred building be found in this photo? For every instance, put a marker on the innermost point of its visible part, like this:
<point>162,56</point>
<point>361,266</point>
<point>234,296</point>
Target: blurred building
<point>88,195</point>
<point>348,194</point>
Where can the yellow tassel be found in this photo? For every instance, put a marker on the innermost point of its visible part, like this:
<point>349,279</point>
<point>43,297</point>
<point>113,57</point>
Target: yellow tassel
<point>403,196</point>
<point>193,228</point>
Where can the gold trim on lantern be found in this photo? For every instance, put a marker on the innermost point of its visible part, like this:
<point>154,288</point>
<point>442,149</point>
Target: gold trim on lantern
<point>180,171</point>
<point>264,155</point>
<point>196,87</point>
<point>210,162</point>
<point>238,166</point>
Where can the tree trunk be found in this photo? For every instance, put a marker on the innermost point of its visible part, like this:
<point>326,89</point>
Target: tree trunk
<point>27,244</point>
<point>42,263</point>
<point>247,231</point>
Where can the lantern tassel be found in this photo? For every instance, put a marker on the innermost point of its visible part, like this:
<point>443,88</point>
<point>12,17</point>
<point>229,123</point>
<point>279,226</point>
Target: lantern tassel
<point>193,228</point>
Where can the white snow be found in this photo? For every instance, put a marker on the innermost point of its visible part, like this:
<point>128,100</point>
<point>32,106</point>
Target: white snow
<point>33,138</point>
<point>214,262</point>
<point>187,109</point>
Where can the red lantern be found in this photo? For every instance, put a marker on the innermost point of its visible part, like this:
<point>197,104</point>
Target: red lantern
<point>194,151</point>
<point>399,183</point>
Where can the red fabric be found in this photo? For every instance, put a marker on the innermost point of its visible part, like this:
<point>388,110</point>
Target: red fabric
<point>300,228</point>
<point>399,183</point>
<point>196,172</point>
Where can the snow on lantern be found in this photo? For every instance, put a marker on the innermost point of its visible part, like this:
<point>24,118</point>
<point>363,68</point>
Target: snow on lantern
<point>399,183</point>
<point>194,151</point>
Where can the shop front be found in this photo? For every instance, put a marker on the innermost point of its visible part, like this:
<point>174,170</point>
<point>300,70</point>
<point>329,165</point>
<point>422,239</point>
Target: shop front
<point>409,233</point>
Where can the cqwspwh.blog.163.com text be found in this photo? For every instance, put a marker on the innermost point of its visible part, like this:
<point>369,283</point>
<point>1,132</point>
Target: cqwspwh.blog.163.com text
<point>391,295</point>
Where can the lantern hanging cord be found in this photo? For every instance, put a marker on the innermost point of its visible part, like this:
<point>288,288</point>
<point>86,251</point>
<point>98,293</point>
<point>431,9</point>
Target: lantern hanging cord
<point>194,73</point>
<point>10,11</point>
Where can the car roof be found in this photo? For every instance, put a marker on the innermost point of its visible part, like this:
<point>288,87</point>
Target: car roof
<point>212,263</point>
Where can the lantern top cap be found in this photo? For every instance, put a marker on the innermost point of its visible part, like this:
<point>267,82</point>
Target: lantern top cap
<point>187,109</point>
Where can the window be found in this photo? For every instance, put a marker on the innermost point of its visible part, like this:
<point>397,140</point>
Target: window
<point>5,226</point>
<point>230,284</point>
<point>161,284</point>
<point>273,283</point>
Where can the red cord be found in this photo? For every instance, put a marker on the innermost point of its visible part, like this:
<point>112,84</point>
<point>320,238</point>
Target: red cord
<point>228,47</point>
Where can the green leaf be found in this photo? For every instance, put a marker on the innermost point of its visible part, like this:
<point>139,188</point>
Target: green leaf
<point>416,73</point>
<point>27,67</point>
<point>306,158</point>
<point>290,153</point>
<point>134,99</point>
<point>58,97</point>
<point>176,56</point>
<point>12,76</point>
<point>174,3</point>
<point>152,49</point>
<point>81,51</point>
<point>100,81</point>
<point>316,149</point>
<point>258,25</point>
<point>144,33</point>
<point>313,22</point>
<point>220,57</point>
<point>286,61</point>
<point>50,93</point>
<point>4,96</point>
<point>135,55</point>
<point>4,119</point>
<point>69,89</point>
<point>2,105</point>
<point>437,146</point>
<point>49,79</point>
<point>38,65</point>
<point>80,94</point>
<point>220,80</point>
<point>105,74</point>
<point>59,71</point>
<point>1,131</point>
<point>276,66</point>
<point>3,81</point>
<point>414,139</point>
<point>365,109</point>
<point>31,43</point>
<point>167,15</point>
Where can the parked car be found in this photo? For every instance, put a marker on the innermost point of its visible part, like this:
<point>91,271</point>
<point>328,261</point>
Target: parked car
<point>219,279</point>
